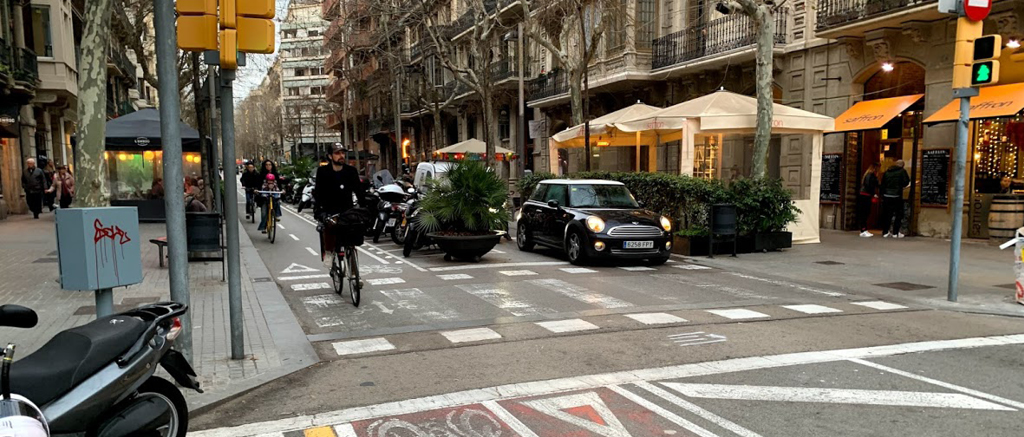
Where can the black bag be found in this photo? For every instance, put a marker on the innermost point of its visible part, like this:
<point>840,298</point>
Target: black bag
<point>350,226</point>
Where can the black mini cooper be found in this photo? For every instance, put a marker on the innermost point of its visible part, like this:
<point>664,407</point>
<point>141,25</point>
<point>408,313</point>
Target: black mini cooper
<point>592,219</point>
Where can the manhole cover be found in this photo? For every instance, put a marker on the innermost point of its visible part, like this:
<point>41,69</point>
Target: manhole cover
<point>262,280</point>
<point>829,263</point>
<point>44,260</point>
<point>904,286</point>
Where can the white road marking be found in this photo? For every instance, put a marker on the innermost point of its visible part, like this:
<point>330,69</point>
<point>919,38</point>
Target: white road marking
<point>696,338</point>
<point>375,257</point>
<point>293,237</point>
<point>691,267</point>
<point>738,314</point>
<point>606,424</point>
<point>454,277</point>
<point>656,318</point>
<point>345,430</point>
<point>812,309</point>
<point>581,294</point>
<point>570,325</point>
<point>497,251</point>
<point>497,266</point>
<point>324,309</point>
<point>353,347</point>
<point>512,421</point>
<point>397,262</point>
<point>502,298</point>
<point>280,226</point>
<point>299,278</point>
<point>638,269</point>
<point>385,281</point>
<point>834,396</point>
<point>879,305</point>
<point>384,309</point>
<point>314,286</point>
<point>577,270</point>
<point>587,382</point>
<point>790,285</point>
<point>468,335</point>
<point>693,408</point>
<point>518,273</point>
<point>421,305</point>
<point>965,390</point>
<point>686,424</point>
<point>312,252</point>
<point>298,268</point>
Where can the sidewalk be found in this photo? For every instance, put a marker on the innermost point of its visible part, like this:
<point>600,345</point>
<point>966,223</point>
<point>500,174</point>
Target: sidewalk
<point>274,342</point>
<point>910,269</point>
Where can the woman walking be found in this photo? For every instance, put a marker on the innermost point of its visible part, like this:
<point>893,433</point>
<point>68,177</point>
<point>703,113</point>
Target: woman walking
<point>868,193</point>
<point>64,186</point>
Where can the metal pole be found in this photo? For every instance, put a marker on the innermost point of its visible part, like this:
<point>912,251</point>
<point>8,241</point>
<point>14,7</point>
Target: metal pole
<point>104,302</point>
<point>211,79</point>
<point>227,122</point>
<point>586,89</point>
<point>521,125</point>
<point>960,169</point>
<point>174,180</point>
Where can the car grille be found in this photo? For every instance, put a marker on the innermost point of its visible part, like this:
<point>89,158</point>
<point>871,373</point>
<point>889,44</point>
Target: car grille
<point>635,231</point>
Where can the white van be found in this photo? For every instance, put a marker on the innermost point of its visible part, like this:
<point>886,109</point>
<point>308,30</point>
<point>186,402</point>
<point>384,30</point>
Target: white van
<point>427,171</point>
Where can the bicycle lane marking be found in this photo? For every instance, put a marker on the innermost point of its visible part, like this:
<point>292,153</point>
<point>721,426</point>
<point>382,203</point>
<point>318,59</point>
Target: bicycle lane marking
<point>374,257</point>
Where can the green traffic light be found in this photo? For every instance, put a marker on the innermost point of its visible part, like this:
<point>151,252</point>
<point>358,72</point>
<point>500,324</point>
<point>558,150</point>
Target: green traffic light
<point>984,74</point>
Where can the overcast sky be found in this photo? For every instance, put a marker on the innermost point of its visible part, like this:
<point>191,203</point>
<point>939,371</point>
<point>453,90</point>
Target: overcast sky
<point>250,76</point>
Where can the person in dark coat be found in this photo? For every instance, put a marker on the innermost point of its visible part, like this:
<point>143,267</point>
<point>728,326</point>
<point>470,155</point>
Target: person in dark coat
<point>894,181</point>
<point>33,181</point>
<point>868,192</point>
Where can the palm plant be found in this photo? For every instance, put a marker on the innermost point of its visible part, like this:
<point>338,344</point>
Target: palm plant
<point>470,202</point>
<point>301,167</point>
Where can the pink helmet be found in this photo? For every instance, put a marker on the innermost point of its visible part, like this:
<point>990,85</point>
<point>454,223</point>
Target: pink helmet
<point>270,176</point>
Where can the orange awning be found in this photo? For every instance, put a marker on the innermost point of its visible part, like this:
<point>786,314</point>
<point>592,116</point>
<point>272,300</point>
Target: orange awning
<point>992,101</point>
<point>873,114</point>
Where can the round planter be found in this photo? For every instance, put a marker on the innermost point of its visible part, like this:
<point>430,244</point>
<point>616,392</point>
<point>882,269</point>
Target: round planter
<point>466,247</point>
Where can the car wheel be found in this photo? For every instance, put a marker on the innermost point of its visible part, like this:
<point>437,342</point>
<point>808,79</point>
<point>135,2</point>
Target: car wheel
<point>574,248</point>
<point>523,240</point>
<point>657,261</point>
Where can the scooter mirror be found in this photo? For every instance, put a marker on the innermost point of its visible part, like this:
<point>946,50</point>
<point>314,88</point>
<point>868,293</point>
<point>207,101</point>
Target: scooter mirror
<point>411,191</point>
<point>17,316</point>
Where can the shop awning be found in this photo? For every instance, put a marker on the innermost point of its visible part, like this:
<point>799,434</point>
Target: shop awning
<point>873,114</point>
<point>992,101</point>
<point>471,146</point>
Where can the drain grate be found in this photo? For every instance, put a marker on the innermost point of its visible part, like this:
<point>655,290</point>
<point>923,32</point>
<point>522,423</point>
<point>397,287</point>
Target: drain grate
<point>904,286</point>
<point>829,263</point>
<point>262,280</point>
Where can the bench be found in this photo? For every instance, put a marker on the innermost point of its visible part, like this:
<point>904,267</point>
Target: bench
<point>204,236</point>
<point>161,244</point>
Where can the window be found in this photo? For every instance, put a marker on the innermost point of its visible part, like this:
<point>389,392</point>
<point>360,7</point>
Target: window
<point>313,32</point>
<point>601,196</point>
<point>290,33</point>
<point>540,194</point>
<point>558,194</point>
<point>40,35</point>
<point>300,71</point>
<point>646,18</point>
<point>316,90</point>
<point>305,51</point>
<point>293,91</point>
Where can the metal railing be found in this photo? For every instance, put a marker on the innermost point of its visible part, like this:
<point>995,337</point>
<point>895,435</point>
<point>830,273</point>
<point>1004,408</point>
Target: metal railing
<point>6,58</point>
<point>28,67</point>
<point>548,85</point>
<point>503,69</point>
<point>835,13</point>
<point>720,35</point>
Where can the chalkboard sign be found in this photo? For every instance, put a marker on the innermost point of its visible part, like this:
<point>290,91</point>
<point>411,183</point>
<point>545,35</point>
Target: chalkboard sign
<point>831,177</point>
<point>935,177</point>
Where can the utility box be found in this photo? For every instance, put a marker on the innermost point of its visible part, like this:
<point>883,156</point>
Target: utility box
<point>98,248</point>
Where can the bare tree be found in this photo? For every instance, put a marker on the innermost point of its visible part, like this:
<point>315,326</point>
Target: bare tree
<point>762,13</point>
<point>92,106</point>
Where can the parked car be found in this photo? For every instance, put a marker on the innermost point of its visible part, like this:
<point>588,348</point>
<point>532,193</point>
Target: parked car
<point>592,219</point>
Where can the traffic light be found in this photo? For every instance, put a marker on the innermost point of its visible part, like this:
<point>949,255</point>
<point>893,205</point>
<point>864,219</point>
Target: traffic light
<point>228,55</point>
<point>985,69</point>
<point>255,26</point>
<point>967,32</point>
<point>197,25</point>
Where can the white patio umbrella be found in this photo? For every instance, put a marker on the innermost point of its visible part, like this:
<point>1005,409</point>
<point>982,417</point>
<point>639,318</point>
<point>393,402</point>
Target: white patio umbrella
<point>471,146</point>
<point>603,124</point>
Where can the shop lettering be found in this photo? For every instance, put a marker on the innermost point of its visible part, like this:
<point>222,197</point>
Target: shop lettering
<point>991,105</point>
<point>864,118</point>
<point>655,125</point>
<point>777,123</point>
<point>7,119</point>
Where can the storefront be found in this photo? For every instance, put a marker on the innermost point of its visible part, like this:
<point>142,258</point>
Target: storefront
<point>10,160</point>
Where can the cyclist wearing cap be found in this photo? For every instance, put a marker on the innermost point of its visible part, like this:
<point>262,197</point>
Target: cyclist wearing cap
<point>335,185</point>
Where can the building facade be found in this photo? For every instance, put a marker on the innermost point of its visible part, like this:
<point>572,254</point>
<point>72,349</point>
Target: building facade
<point>304,79</point>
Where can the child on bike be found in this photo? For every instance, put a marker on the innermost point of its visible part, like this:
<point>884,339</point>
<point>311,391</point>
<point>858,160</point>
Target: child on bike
<point>269,184</point>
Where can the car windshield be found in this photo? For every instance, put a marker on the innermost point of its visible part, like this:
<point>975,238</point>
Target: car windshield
<point>601,196</point>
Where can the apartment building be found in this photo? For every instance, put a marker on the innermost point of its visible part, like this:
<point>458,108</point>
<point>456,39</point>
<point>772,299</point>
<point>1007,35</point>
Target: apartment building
<point>304,79</point>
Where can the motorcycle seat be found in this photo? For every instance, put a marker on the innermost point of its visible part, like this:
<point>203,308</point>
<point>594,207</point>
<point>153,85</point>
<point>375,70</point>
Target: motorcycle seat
<point>72,356</point>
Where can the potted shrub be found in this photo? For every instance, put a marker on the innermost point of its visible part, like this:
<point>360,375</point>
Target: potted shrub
<point>765,209</point>
<point>463,213</point>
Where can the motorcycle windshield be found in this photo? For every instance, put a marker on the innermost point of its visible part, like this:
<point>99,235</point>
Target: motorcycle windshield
<point>382,178</point>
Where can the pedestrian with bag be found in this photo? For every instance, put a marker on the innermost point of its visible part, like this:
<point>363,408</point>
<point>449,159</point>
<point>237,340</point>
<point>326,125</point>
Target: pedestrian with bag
<point>894,181</point>
<point>868,194</point>
<point>63,186</point>
<point>50,195</point>
<point>33,181</point>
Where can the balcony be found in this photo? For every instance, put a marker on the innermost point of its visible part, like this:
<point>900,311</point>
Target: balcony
<point>335,60</point>
<point>721,35</point>
<point>27,70</point>
<point>548,85</point>
<point>335,91</point>
<point>6,60</point>
<point>504,70</point>
<point>852,18</point>
<point>332,37</point>
<point>333,121</point>
<point>330,9</point>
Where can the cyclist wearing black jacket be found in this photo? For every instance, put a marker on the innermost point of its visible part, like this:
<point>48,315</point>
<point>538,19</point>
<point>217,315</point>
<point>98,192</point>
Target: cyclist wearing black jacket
<point>335,185</point>
<point>251,180</point>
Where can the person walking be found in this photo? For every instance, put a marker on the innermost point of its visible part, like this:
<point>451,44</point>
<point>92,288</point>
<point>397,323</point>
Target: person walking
<point>50,195</point>
<point>894,181</point>
<point>33,181</point>
<point>63,186</point>
<point>868,194</point>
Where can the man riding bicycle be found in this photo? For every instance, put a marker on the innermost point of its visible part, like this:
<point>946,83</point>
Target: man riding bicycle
<point>251,181</point>
<point>335,185</point>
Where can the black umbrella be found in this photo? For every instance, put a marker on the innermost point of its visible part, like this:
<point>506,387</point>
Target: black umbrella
<point>140,130</point>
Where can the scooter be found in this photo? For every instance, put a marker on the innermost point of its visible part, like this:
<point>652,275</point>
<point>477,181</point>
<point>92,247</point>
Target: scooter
<point>98,379</point>
<point>307,196</point>
<point>415,235</point>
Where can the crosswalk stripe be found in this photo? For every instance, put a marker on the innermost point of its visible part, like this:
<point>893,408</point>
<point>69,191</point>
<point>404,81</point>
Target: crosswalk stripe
<point>691,267</point>
<point>299,278</point>
<point>518,272</point>
<point>311,286</point>
<point>385,281</point>
<point>345,430</point>
<point>579,293</point>
<point>470,335</point>
<point>738,314</point>
<point>812,309</point>
<point>421,305</point>
<point>502,298</point>
<point>571,325</point>
<point>454,277</point>
<point>656,318</point>
<point>353,347</point>
<point>577,270</point>
<point>879,305</point>
<point>638,269</point>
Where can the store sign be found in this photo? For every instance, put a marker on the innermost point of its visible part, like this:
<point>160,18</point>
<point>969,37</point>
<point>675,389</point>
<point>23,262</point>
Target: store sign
<point>9,120</point>
<point>142,141</point>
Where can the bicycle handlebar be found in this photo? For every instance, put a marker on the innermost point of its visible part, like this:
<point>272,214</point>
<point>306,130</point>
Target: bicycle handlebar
<point>269,192</point>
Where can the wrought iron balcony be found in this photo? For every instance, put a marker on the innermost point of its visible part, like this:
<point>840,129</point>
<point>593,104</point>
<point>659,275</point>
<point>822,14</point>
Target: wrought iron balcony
<point>28,66</point>
<point>547,85</point>
<point>6,59</point>
<point>504,69</point>
<point>714,37</point>
<point>836,13</point>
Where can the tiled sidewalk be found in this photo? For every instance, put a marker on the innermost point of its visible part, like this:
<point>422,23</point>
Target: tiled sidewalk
<point>274,342</point>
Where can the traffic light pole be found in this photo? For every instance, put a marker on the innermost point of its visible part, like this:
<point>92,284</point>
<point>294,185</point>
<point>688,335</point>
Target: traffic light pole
<point>227,122</point>
<point>960,174</point>
<point>174,180</point>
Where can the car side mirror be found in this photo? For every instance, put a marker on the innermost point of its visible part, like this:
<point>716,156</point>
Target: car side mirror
<point>17,316</point>
<point>553,204</point>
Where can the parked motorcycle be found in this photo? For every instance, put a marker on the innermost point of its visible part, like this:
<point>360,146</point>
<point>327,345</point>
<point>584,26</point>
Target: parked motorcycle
<point>98,379</point>
<point>307,196</point>
<point>391,209</point>
<point>415,235</point>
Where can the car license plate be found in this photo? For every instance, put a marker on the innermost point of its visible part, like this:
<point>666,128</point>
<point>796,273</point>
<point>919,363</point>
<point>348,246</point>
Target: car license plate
<point>391,222</point>
<point>638,245</point>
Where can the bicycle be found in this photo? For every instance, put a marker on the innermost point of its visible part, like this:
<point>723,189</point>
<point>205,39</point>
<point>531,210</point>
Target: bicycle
<point>250,204</point>
<point>345,257</point>
<point>271,216</point>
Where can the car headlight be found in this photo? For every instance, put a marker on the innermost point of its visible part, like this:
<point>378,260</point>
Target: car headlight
<point>666,224</point>
<point>595,224</point>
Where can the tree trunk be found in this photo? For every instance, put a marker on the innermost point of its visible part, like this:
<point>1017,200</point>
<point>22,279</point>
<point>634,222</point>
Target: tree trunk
<point>490,126</point>
<point>202,120</point>
<point>438,132</point>
<point>92,107</point>
<point>576,97</point>
<point>764,25</point>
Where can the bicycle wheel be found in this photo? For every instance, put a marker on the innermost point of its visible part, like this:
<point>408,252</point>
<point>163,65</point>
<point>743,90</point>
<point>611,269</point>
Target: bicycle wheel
<point>250,208</point>
<point>271,224</point>
<point>353,275</point>
<point>337,273</point>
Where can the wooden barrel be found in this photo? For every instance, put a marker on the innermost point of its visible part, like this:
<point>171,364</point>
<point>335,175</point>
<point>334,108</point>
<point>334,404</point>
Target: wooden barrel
<point>1005,216</point>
